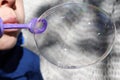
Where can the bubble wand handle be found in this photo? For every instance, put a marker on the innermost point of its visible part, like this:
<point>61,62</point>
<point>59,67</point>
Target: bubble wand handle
<point>15,26</point>
<point>31,26</point>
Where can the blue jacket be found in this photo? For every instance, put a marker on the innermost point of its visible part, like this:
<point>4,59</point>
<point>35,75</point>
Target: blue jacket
<point>19,64</point>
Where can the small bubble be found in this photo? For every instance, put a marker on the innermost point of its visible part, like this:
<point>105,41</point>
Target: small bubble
<point>65,49</point>
<point>89,23</point>
<point>98,34</point>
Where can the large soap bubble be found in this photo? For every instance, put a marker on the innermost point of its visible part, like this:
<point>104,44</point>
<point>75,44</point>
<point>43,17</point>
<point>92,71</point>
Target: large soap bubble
<point>77,35</point>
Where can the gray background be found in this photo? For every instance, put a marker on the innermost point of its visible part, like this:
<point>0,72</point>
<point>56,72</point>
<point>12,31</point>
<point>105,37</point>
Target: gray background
<point>109,69</point>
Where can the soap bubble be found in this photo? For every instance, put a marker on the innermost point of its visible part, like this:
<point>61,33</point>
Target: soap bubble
<point>77,35</point>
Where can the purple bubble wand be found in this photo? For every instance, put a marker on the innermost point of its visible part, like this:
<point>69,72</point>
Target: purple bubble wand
<point>32,26</point>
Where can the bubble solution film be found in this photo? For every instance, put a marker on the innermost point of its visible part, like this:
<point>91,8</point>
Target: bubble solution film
<point>77,35</point>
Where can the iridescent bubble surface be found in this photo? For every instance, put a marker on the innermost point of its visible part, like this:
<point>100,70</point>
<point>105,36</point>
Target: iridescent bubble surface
<point>77,35</point>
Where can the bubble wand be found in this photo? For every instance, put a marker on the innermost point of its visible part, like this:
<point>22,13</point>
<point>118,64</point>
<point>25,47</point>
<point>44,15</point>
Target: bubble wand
<point>31,26</point>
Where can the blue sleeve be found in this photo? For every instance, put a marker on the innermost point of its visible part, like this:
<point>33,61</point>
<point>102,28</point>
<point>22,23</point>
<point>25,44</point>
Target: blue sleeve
<point>20,39</point>
<point>37,75</point>
<point>34,58</point>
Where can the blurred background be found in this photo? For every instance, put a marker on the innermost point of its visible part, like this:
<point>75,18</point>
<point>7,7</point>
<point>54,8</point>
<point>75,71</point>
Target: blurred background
<point>108,69</point>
